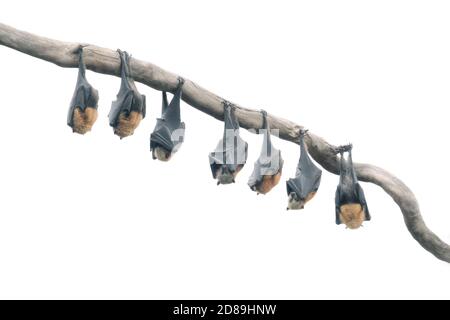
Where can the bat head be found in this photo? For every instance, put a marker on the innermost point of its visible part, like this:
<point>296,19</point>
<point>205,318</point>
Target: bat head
<point>294,202</point>
<point>82,121</point>
<point>127,123</point>
<point>352,215</point>
<point>224,175</point>
<point>161,154</point>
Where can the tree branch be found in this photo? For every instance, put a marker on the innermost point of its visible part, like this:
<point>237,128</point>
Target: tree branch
<point>101,60</point>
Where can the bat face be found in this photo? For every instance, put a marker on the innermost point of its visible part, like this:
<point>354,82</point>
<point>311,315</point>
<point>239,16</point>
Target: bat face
<point>83,121</point>
<point>352,215</point>
<point>225,176</point>
<point>126,124</point>
<point>295,203</point>
<point>161,154</point>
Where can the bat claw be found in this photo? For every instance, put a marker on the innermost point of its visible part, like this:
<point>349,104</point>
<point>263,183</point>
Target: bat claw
<point>218,182</point>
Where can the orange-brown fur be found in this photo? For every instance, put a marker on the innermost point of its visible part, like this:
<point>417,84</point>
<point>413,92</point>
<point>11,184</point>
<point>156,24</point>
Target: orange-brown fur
<point>310,196</point>
<point>268,182</point>
<point>352,215</point>
<point>238,168</point>
<point>83,121</point>
<point>127,124</point>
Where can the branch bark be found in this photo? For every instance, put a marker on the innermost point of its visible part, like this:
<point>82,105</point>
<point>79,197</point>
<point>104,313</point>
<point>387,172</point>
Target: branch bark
<point>106,61</point>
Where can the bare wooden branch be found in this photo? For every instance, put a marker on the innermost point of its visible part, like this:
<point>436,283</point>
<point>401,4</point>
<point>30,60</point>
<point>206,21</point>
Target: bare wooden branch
<point>101,60</point>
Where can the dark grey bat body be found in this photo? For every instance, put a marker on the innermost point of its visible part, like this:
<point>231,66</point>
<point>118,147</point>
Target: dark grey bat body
<point>128,100</point>
<point>351,205</point>
<point>231,152</point>
<point>168,134</point>
<point>85,96</point>
<point>267,169</point>
<point>307,179</point>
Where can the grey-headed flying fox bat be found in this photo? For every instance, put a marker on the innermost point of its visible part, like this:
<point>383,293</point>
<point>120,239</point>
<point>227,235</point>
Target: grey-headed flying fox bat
<point>231,152</point>
<point>168,134</point>
<point>83,106</point>
<point>304,186</point>
<point>351,205</point>
<point>129,108</point>
<point>267,170</point>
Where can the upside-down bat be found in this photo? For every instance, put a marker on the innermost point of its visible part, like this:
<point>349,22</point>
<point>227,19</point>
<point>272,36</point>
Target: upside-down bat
<point>351,205</point>
<point>304,186</point>
<point>231,151</point>
<point>83,106</point>
<point>168,135</point>
<point>129,108</point>
<point>267,170</point>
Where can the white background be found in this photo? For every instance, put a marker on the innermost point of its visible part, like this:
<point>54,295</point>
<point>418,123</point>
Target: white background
<point>95,217</point>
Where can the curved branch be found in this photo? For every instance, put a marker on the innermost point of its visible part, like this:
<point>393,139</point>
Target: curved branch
<point>101,60</point>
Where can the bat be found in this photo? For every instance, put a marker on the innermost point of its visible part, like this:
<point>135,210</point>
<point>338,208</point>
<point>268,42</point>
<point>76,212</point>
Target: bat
<point>231,152</point>
<point>351,205</point>
<point>129,108</point>
<point>304,186</point>
<point>168,134</point>
<point>267,169</point>
<point>83,106</point>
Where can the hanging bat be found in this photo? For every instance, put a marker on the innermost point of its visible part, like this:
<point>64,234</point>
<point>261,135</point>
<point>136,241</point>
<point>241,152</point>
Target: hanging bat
<point>231,152</point>
<point>304,186</point>
<point>267,170</point>
<point>351,205</point>
<point>83,106</point>
<point>168,134</point>
<point>129,108</point>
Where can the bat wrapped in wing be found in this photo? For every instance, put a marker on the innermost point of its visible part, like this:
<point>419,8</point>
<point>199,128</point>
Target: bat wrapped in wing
<point>304,186</point>
<point>129,108</point>
<point>267,170</point>
<point>351,205</point>
<point>83,106</point>
<point>231,152</point>
<point>168,134</point>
